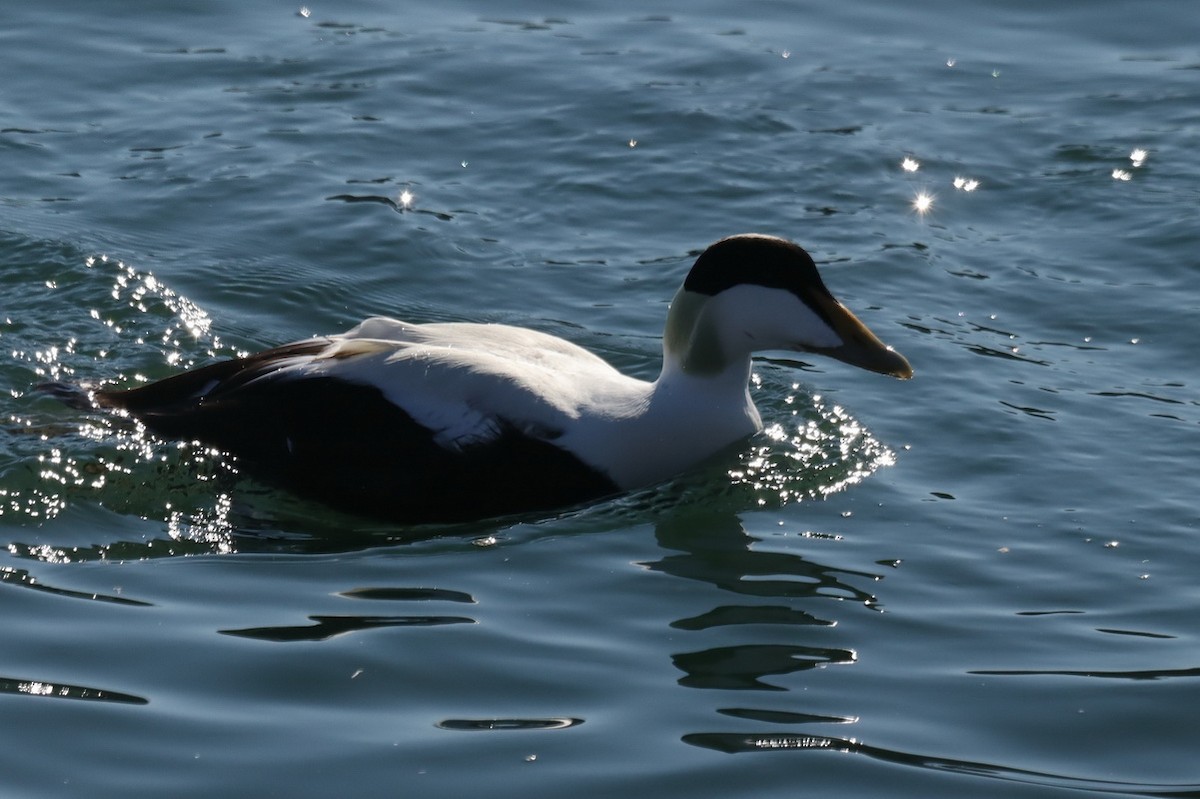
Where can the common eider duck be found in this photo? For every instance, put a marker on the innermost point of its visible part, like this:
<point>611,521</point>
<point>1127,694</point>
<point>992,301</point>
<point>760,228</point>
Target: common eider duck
<point>458,421</point>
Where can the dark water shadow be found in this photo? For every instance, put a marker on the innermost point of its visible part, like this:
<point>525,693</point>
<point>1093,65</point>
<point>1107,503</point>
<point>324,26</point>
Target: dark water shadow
<point>330,626</point>
<point>327,627</point>
<point>398,207</point>
<point>740,743</point>
<point>42,688</point>
<point>1147,674</point>
<point>744,666</point>
<point>508,725</point>
<point>22,578</point>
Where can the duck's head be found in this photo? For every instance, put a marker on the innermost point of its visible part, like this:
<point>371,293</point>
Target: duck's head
<point>751,293</point>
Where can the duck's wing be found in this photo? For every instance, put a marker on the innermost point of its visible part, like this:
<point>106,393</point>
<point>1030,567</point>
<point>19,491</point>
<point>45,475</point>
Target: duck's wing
<point>184,392</point>
<point>385,427</point>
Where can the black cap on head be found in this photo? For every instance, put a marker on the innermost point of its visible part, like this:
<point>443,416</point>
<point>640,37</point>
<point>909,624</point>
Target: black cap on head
<point>755,260</point>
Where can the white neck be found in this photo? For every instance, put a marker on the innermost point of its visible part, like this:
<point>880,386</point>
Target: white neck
<point>688,417</point>
<point>699,404</point>
<point>704,380</point>
<point>712,410</point>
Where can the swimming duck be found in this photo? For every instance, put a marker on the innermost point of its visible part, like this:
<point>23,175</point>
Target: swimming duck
<point>455,421</point>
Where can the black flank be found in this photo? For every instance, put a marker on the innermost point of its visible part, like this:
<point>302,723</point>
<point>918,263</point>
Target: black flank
<point>348,446</point>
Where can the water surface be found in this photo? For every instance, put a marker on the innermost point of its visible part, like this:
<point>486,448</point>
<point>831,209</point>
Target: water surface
<point>980,582</point>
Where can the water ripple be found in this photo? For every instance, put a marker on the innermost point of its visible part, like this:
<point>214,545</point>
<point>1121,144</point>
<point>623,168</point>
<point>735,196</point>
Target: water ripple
<point>1144,674</point>
<point>742,667</point>
<point>508,725</point>
<point>410,594</point>
<point>738,743</point>
<point>327,627</point>
<point>23,578</point>
<point>12,685</point>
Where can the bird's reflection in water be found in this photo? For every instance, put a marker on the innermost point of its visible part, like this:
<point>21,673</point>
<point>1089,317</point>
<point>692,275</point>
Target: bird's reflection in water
<point>777,594</point>
<point>718,550</point>
<point>779,589</point>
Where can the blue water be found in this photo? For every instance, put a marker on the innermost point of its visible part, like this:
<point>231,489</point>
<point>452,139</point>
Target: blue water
<point>981,582</point>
